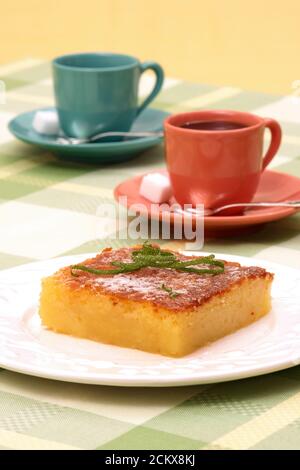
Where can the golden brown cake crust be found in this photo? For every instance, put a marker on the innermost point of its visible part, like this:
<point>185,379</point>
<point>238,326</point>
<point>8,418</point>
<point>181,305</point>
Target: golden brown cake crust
<point>146,284</point>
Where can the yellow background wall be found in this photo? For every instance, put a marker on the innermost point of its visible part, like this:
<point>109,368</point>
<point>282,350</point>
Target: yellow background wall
<point>253,44</point>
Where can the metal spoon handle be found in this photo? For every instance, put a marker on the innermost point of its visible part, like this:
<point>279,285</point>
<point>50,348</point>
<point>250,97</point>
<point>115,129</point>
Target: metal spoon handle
<point>208,212</point>
<point>258,204</point>
<point>102,135</point>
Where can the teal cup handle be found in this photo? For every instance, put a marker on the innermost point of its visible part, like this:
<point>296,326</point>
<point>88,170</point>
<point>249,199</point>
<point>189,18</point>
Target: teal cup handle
<point>159,73</point>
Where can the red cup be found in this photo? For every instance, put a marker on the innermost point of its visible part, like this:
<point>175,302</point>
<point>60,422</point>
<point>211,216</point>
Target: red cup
<point>217,167</point>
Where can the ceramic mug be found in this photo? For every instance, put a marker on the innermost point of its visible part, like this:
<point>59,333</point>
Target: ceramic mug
<point>98,92</point>
<point>218,167</point>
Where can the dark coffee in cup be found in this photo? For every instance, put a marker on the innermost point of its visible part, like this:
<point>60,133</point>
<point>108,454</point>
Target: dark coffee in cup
<point>213,125</point>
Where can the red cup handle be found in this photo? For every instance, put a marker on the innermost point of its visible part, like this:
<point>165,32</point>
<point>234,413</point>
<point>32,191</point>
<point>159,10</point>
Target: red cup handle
<point>275,140</point>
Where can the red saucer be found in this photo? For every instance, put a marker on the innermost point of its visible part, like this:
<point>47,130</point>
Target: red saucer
<point>273,187</point>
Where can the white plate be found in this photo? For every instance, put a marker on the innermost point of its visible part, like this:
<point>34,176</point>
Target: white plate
<point>271,344</point>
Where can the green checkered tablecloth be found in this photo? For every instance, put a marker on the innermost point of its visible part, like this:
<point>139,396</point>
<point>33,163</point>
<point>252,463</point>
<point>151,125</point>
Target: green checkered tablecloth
<point>48,209</point>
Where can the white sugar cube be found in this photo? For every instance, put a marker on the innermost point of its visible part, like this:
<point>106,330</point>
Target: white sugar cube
<point>46,122</point>
<point>156,187</point>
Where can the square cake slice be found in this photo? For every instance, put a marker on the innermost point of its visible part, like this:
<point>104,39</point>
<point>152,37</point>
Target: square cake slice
<point>160,309</point>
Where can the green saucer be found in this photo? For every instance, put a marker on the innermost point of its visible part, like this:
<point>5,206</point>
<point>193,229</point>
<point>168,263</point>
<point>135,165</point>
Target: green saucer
<point>98,152</point>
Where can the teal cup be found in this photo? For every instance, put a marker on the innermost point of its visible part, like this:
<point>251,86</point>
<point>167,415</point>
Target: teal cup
<point>98,92</point>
